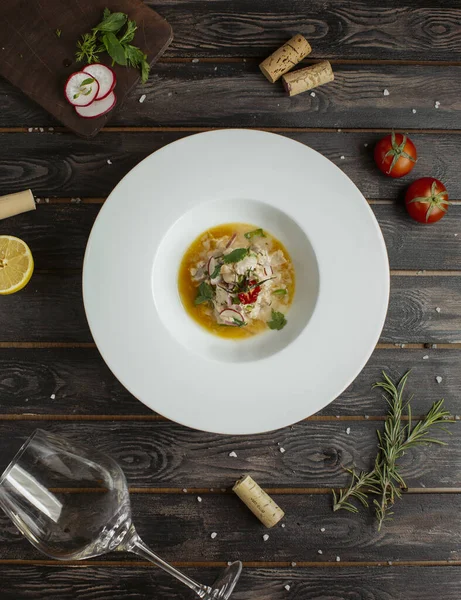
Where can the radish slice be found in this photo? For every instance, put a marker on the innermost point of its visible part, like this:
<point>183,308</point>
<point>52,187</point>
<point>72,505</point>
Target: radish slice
<point>81,89</point>
<point>97,108</point>
<point>230,315</point>
<point>105,77</point>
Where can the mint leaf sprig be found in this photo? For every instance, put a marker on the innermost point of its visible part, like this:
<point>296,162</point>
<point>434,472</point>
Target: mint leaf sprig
<point>113,35</point>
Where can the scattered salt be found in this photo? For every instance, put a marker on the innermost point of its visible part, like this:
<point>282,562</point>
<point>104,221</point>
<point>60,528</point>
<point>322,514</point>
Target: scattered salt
<point>109,162</point>
<point>426,356</point>
<point>365,145</point>
<point>199,499</point>
<point>338,559</point>
<point>75,200</point>
<point>170,94</point>
<point>282,450</point>
<point>233,454</point>
<point>422,485</point>
<point>438,309</point>
<point>265,537</point>
<point>348,430</point>
<point>53,396</point>
<point>287,587</point>
<point>293,564</point>
<point>229,562</point>
<point>41,130</point>
<point>319,552</point>
<point>213,535</point>
<point>342,157</point>
<point>457,417</point>
<point>389,562</point>
<point>283,525</point>
<point>184,490</point>
<point>322,529</point>
<point>195,60</point>
<point>456,235</point>
<point>386,92</point>
<point>438,379</point>
<point>50,128</point>
<point>47,200</point>
<point>30,129</point>
<point>216,68</point>
<point>143,97</point>
<point>367,417</point>
<point>437,104</point>
<point>313,94</point>
<point>413,110</point>
<point>38,200</point>
<point>338,130</point>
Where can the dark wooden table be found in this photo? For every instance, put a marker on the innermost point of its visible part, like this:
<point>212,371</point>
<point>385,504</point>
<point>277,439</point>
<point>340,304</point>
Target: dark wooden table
<point>52,376</point>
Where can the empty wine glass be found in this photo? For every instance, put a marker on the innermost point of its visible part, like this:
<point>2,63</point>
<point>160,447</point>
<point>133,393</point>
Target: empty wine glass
<point>43,492</point>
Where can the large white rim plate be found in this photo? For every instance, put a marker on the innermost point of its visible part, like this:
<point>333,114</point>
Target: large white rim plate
<point>138,337</point>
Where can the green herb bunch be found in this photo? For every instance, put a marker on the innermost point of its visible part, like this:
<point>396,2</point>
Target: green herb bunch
<point>113,35</point>
<point>385,480</point>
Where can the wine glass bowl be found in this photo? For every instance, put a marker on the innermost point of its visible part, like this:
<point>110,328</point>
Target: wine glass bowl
<point>72,503</point>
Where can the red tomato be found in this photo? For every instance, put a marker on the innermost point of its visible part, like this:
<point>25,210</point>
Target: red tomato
<point>251,296</point>
<point>426,200</point>
<point>395,155</point>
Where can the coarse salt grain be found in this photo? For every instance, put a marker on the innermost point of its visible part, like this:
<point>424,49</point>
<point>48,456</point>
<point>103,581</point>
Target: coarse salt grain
<point>457,417</point>
<point>282,450</point>
<point>143,97</point>
<point>50,128</point>
<point>389,562</point>
<point>438,309</point>
<point>184,490</point>
<point>386,93</point>
<point>287,587</point>
<point>213,535</point>
<point>265,537</point>
<point>438,379</point>
<point>338,559</point>
<point>53,396</point>
<point>199,499</point>
<point>38,200</point>
<point>283,525</point>
<point>30,129</point>
<point>216,68</point>
<point>322,529</point>
<point>293,564</point>
<point>348,430</point>
<point>195,60</point>
<point>365,145</point>
<point>413,110</point>
<point>426,356</point>
<point>41,130</point>
<point>342,157</point>
<point>109,162</point>
<point>233,454</point>
<point>319,552</point>
<point>313,94</point>
<point>367,417</point>
<point>75,200</point>
<point>437,104</point>
<point>170,94</point>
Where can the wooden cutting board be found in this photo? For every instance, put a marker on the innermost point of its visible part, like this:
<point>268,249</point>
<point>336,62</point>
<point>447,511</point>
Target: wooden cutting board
<point>35,59</point>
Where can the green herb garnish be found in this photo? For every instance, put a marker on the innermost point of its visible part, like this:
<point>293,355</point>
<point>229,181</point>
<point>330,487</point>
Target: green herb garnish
<point>255,233</point>
<point>236,300</point>
<point>216,272</point>
<point>235,256</point>
<point>204,293</point>
<point>58,33</point>
<point>385,480</point>
<point>113,35</point>
<point>280,292</point>
<point>278,320</point>
<point>239,322</point>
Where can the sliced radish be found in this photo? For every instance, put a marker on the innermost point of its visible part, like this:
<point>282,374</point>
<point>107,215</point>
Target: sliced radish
<point>98,107</point>
<point>105,77</point>
<point>81,89</point>
<point>212,265</point>
<point>230,315</point>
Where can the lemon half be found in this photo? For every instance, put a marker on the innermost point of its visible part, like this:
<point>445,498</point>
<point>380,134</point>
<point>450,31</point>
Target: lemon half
<point>16,264</point>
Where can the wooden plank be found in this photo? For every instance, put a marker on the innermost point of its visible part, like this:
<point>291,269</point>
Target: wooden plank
<point>165,454</point>
<point>83,384</point>
<point>237,95</point>
<point>64,165</point>
<point>51,309</point>
<point>143,583</point>
<point>178,527</point>
<point>414,31</point>
<point>58,233</point>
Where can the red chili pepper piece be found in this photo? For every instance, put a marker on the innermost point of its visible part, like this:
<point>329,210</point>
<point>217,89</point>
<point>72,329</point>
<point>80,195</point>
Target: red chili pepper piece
<point>251,296</point>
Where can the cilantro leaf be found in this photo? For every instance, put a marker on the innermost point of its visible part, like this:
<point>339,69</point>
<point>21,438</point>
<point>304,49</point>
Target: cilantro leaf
<point>255,233</point>
<point>277,321</point>
<point>280,292</point>
<point>87,81</point>
<point>235,256</point>
<point>204,293</point>
<point>239,322</point>
<point>216,272</point>
<point>112,22</point>
<point>130,30</point>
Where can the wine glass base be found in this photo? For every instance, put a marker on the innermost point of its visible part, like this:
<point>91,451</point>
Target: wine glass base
<point>225,584</point>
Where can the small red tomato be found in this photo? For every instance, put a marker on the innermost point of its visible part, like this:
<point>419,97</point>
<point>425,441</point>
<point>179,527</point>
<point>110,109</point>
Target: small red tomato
<point>395,155</point>
<point>251,296</point>
<point>426,200</point>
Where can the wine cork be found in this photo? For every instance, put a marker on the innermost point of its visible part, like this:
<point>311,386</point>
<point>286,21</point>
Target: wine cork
<point>15,204</point>
<point>285,58</point>
<point>260,503</point>
<point>308,78</point>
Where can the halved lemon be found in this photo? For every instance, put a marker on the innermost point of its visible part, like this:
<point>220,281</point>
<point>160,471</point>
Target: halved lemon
<point>16,264</point>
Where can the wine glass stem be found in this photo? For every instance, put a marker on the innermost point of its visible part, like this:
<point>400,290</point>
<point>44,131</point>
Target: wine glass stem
<point>139,547</point>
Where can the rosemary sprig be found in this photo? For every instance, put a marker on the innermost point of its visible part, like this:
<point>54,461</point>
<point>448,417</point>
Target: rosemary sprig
<point>385,480</point>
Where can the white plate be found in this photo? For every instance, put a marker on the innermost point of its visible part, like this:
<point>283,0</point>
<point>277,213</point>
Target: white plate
<point>168,361</point>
